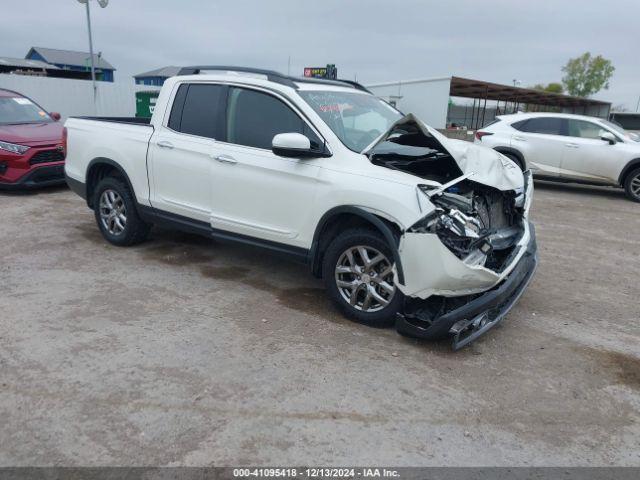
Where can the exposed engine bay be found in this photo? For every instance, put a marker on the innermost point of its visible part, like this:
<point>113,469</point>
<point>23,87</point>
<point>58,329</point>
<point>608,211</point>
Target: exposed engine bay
<point>479,224</point>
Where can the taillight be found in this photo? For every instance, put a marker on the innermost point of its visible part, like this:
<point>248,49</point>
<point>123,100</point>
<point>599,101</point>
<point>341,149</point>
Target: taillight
<point>64,140</point>
<point>479,134</point>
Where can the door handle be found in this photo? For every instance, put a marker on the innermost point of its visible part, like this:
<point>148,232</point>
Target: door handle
<point>226,159</point>
<point>519,138</point>
<point>165,144</point>
<point>571,145</point>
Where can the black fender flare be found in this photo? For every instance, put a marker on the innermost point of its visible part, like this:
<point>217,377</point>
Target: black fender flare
<point>392,240</point>
<point>515,153</point>
<point>627,168</point>
<point>112,163</point>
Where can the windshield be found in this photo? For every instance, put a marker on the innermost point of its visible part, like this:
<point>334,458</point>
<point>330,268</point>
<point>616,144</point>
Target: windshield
<point>617,128</point>
<point>356,118</point>
<point>21,110</point>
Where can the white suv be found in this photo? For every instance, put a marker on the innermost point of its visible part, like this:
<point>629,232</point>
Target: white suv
<point>403,224</point>
<point>568,148</point>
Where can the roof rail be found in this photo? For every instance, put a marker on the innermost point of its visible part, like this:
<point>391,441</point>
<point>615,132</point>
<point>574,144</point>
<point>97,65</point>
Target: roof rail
<point>271,75</point>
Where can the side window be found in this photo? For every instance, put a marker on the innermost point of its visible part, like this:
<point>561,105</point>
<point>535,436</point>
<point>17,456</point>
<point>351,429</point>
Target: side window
<point>196,110</point>
<point>583,129</point>
<point>519,125</point>
<point>254,118</point>
<point>546,125</point>
<point>176,109</point>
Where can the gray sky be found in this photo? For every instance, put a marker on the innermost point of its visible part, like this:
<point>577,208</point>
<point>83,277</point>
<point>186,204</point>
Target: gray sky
<point>495,40</point>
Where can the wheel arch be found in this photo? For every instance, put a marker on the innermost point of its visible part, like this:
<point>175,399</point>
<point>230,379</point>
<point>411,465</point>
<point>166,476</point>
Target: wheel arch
<point>514,152</point>
<point>629,167</point>
<point>351,216</point>
<point>100,168</point>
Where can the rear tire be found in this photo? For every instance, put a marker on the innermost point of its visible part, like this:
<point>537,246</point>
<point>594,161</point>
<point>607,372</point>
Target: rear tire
<point>357,272</point>
<point>116,214</point>
<point>632,185</point>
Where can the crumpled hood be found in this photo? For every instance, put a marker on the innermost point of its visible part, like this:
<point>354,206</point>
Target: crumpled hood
<point>486,165</point>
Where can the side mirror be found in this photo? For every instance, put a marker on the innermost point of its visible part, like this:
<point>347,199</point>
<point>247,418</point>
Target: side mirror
<point>293,145</point>
<point>608,137</point>
<point>55,115</point>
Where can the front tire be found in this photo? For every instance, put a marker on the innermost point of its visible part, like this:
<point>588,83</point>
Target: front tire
<point>632,185</point>
<point>116,214</point>
<point>358,273</point>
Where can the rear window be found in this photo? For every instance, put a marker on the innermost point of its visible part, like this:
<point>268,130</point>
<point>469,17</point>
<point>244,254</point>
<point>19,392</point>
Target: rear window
<point>197,110</point>
<point>546,125</point>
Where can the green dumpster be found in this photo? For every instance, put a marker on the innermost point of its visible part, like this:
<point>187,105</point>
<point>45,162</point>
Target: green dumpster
<point>145,103</point>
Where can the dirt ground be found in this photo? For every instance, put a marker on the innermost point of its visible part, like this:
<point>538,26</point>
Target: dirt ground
<point>185,351</point>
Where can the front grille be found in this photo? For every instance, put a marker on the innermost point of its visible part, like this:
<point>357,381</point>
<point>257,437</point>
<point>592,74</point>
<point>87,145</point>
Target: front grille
<point>47,156</point>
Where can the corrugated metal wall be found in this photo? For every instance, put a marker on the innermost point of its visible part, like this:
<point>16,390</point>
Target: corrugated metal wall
<point>427,99</point>
<point>75,97</point>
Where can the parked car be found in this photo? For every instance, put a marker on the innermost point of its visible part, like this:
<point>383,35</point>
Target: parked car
<point>568,148</point>
<point>31,145</point>
<point>402,224</point>
<point>627,120</point>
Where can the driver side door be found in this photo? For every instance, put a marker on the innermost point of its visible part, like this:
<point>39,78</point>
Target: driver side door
<point>587,156</point>
<point>257,193</point>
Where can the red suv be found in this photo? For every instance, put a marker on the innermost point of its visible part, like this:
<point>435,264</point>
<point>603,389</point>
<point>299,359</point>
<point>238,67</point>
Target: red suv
<point>32,149</point>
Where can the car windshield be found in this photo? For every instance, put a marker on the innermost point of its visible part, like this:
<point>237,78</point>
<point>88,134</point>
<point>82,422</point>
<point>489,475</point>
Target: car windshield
<point>617,128</point>
<point>357,118</point>
<point>15,110</point>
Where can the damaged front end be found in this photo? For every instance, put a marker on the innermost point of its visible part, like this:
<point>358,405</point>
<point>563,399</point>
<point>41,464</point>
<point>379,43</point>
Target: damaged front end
<point>473,252</point>
<point>479,225</point>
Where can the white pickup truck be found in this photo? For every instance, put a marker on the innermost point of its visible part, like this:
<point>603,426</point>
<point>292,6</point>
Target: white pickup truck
<point>403,224</point>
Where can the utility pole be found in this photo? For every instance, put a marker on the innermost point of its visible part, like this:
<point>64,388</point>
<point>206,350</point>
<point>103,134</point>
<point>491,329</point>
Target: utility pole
<point>93,68</point>
<point>103,4</point>
<point>638,105</point>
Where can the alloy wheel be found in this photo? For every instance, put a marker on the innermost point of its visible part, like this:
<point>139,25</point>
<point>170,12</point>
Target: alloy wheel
<point>635,185</point>
<point>113,212</point>
<point>364,277</point>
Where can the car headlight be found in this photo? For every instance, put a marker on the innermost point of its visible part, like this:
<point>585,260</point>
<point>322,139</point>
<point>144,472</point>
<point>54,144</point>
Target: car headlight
<point>13,148</point>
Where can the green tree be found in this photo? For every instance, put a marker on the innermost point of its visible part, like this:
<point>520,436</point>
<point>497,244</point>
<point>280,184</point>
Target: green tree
<point>586,75</point>
<point>553,87</point>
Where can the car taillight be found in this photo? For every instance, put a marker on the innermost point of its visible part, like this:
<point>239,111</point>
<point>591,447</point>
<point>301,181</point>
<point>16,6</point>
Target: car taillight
<point>64,140</point>
<point>479,134</point>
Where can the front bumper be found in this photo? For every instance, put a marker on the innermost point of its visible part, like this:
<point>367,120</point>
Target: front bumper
<point>44,176</point>
<point>467,318</point>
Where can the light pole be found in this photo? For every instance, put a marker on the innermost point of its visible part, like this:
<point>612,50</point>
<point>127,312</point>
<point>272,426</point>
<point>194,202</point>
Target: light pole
<point>103,4</point>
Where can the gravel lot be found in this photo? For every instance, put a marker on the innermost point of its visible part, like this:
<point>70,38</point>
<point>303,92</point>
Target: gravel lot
<point>185,351</point>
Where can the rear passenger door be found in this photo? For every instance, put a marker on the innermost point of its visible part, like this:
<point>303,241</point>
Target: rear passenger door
<point>181,151</point>
<point>542,142</point>
<point>256,192</point>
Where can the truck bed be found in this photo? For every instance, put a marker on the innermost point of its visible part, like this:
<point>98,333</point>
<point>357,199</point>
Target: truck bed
<point>123,141</point>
